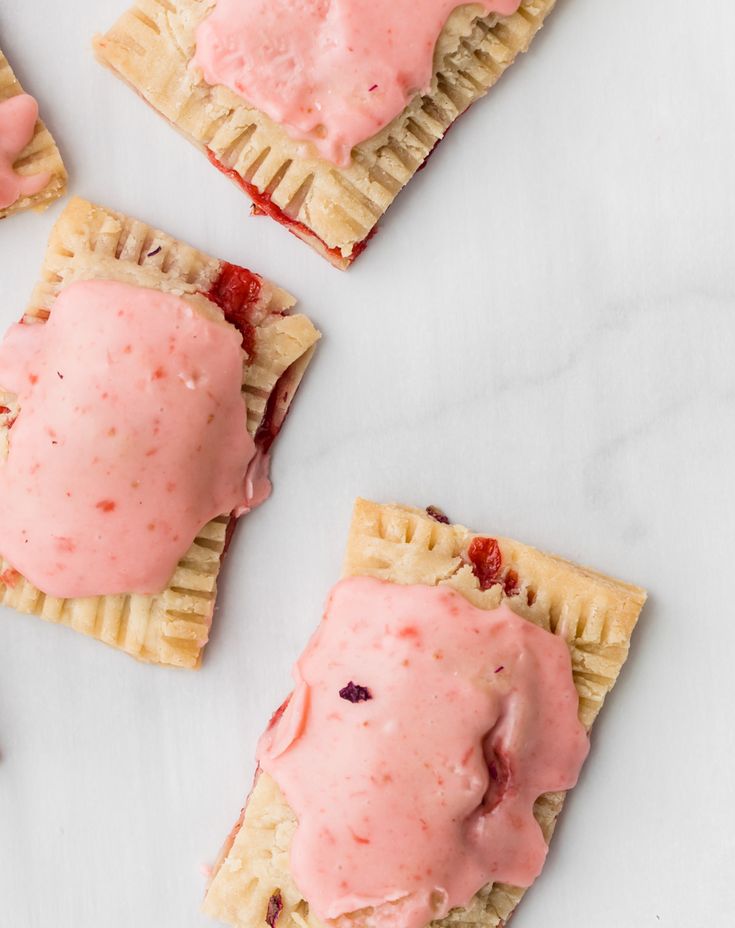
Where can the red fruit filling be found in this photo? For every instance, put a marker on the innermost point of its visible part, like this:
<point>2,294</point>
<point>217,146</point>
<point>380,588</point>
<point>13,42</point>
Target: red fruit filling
<point>487,561</point>
<point>235,291</point>
<point>10,421</point>
<point>510,583</point>
<point>274,416</point>
<point>487,564</point>
<point>264,204</point>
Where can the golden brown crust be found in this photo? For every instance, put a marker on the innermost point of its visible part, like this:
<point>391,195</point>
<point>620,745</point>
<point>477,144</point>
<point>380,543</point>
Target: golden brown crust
<point>595,615</point>
<point>39,155</point>
<point>91,242</point>
<point>334,209</point>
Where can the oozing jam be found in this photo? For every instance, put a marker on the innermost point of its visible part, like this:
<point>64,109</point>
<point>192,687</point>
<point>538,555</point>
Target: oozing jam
<point>419,735</point>
<point>266,206</point>
<point>131,436</point>
<point>331,72</point>
<point>487,565</point>
<point>18,117</point>
<point>486,559</point>
<point>236,291</point>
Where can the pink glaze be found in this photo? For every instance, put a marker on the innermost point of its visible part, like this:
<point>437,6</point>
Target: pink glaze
<point>258,485</point>
<point>18,117</point>
<point>334,72</point>
<point>131,436</point>
<point>414,799</point>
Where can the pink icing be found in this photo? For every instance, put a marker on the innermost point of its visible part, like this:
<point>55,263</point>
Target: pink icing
<point>334,72</point>
<point>258,485</point>
<point>18,117</point>
<point>131,436</point>
<point>414,796</point>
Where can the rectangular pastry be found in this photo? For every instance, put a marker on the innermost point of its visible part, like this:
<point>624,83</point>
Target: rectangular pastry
<point>170,374</point>
<point>333,203</point>
<point>409,574</point>
<point>32,174</point>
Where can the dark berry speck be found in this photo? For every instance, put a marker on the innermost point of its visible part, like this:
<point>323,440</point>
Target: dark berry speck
<point>437,515</point>
<point>353,692</point>
<point>275,905</point>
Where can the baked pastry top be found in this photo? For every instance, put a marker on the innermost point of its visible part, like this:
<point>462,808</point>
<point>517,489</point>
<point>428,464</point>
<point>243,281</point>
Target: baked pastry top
<point>90,242</point>
<point>40,155</point>
<point>335,209</point>
<point>595,615</point>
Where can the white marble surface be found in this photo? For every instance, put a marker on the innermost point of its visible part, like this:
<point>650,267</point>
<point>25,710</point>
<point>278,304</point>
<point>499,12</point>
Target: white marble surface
<point>541,341</point>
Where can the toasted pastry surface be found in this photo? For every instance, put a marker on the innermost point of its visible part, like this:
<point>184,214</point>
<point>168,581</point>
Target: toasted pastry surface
<point>334,209</point>
<point>594,614</point>
<point>39,155</point>
<point>91,242</point>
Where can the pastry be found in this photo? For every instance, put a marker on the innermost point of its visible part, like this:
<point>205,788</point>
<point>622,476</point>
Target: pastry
<point>398,825</point>
<point>32,174</point>
<point>163,48</point>
<point>139,399</point>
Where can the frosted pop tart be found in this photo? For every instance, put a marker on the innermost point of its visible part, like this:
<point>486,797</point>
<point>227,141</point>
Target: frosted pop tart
<point>140,397</point>
<point>438,717</point>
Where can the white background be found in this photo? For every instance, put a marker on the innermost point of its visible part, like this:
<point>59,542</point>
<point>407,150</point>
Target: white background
<point>541,341</point>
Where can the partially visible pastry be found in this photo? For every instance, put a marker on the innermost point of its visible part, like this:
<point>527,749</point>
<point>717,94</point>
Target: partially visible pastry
<point>32,174</point>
